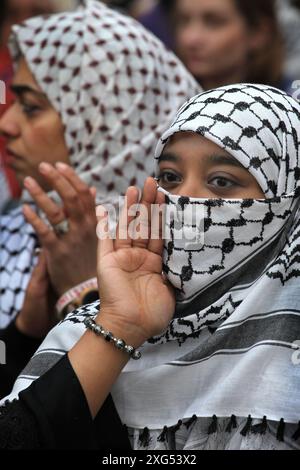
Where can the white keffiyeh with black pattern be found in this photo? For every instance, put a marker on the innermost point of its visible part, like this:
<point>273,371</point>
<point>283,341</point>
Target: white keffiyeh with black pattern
<point>229,352</point>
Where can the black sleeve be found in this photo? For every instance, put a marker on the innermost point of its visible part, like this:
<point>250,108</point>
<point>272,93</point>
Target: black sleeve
<point>19,349</point>
<point>55,413</point>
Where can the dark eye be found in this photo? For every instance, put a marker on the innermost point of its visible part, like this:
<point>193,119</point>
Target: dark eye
<point>30,109</point>
<point>182,20</point>
<point>168,177</point>
<point>214,21</point>
<point>222,183</point>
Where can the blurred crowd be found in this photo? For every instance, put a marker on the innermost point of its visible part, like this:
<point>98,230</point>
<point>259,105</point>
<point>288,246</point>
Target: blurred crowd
<point>219,41</point>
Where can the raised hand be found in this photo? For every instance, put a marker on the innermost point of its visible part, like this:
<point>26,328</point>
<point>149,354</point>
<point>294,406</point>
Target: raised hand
<point>38,316</point>
<point>136,302</point>
<point>71,256</point>
<point>134,295</point>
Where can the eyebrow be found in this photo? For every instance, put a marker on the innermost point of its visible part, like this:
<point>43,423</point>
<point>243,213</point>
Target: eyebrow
<point>214,158</point>
<point>20,90</point>
<point>168,157</point>
<point>225,160</point>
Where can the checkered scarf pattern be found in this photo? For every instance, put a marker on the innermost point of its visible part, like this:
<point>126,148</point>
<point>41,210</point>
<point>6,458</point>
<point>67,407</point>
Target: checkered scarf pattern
<point>116,88</point>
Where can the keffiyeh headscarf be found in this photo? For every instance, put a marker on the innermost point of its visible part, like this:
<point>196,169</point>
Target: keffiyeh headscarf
<point>116,88</point>
<point>228,364</point>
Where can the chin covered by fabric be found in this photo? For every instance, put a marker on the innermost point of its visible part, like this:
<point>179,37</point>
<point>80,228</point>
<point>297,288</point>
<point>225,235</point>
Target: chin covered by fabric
<point>224,374</point>
<point>215,243</point>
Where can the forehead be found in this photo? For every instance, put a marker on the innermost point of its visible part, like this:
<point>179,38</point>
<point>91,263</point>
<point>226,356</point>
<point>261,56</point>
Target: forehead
<point>191,141</point>
<point>199,6</point>
<point>23,75</point>
<point>191,147</point>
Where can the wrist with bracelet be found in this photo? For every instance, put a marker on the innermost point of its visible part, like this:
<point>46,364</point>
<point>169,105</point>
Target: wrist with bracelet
<point>109,337</point>
<point>82,294</point>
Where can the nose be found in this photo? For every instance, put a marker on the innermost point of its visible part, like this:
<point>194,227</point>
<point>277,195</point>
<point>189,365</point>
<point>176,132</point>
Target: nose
<point>193,187</point>
<point>9,125</point>
<point>192,36</point>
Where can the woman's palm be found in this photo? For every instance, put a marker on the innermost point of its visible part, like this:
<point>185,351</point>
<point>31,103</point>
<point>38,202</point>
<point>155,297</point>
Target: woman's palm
<point>132,287</point>
<point>131,281</point>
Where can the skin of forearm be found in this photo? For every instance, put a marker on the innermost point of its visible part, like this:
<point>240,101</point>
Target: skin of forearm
<point>98,363</point>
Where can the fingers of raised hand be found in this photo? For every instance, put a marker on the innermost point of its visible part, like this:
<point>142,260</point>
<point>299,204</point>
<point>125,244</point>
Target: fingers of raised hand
<point>54,213</point>
<point>137,226</point>
<point>141,228</point>
<point>127,216</point>
<point>157,223</point>
<point>105,243</point>
<point>45,234</point>
<point>86,195</point>
<point>39,278</point>
<point>71,199</point>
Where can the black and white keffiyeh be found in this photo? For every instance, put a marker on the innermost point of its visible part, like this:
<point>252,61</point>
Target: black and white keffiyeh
<point>116,88</point>
<point>4,190</point>
<point>229,360</point>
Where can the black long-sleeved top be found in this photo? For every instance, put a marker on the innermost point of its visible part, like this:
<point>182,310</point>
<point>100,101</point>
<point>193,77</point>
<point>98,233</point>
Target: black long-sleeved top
<point>52,413</point>
<point>19,349</point>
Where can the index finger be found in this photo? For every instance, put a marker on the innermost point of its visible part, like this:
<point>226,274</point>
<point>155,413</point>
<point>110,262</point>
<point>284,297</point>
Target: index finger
<point>142,226</point>
<point>80,186</point>
<point>66,191</point>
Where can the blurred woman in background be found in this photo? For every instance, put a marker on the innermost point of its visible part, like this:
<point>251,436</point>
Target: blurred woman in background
<point>229,41</point>
<point>13,12</point>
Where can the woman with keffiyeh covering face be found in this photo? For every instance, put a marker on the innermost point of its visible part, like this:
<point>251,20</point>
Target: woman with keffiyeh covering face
<point>93,89</point>
<point>219,330</point>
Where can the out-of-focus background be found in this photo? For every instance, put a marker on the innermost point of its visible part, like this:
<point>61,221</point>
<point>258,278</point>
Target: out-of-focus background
<point>219,41</point>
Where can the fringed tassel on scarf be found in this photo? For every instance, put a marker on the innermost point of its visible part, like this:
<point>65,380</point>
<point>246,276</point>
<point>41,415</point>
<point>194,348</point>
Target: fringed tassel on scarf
<point>296,434</point>
<point>260,428</point>
<point>176,427</point>
<point>163,435</point>
<point>280,430</point>
<point>189,423</point>
<point>213,425</point>
<point>247,426</point>
<point>144,437</point>
<point>232,424</point>
<point>172,429</point>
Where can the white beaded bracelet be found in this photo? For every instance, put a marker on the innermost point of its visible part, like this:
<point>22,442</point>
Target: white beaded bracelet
<point>108,336</point>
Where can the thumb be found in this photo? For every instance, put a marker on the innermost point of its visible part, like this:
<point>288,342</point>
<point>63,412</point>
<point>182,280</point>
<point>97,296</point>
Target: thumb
<point>39,277</point>
<point>40,269</point>
<point>93,192</point>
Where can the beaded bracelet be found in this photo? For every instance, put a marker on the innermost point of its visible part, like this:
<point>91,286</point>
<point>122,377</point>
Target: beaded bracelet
<point>108,336</point>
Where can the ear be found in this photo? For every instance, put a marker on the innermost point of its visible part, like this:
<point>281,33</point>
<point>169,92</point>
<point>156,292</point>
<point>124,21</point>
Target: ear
<point>260,35</point>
